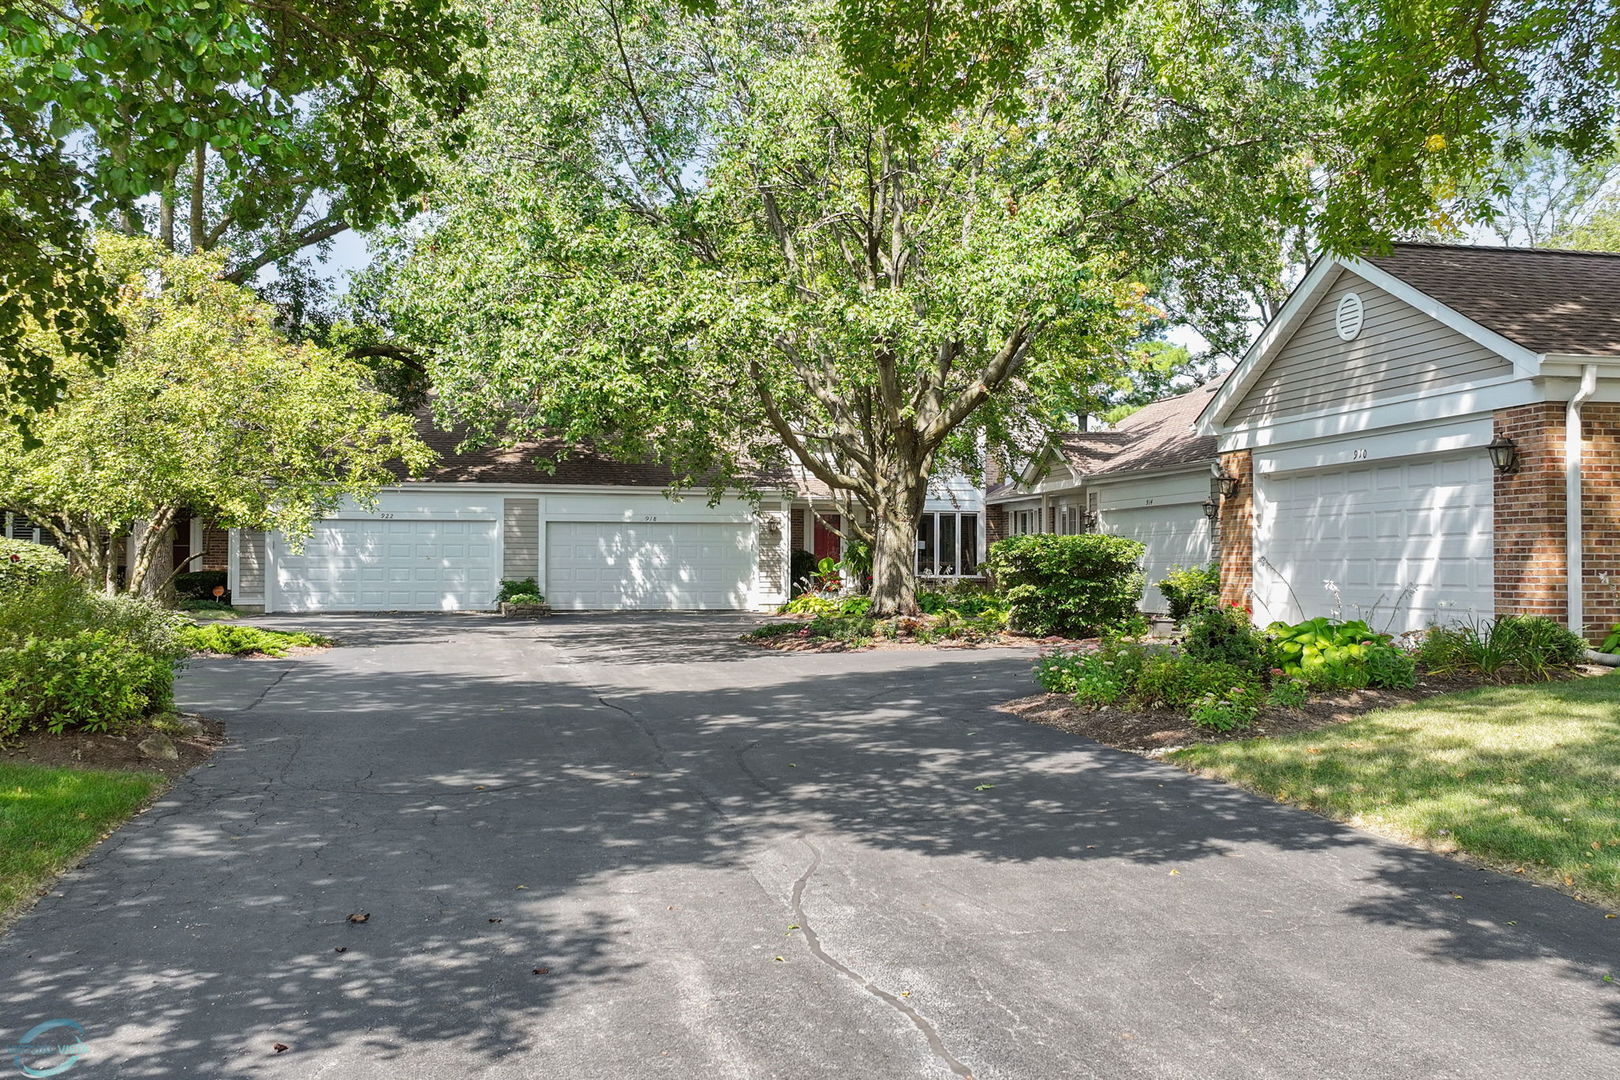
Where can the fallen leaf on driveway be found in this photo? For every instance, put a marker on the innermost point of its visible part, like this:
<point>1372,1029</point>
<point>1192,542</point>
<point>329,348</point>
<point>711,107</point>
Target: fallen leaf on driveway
<point>341,948</point>
<point>360,916</point>
<point>984,787</point>
<point>281,1048</point>
<point>542,971</point>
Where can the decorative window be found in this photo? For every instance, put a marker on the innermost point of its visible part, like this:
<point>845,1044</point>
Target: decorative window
<point>948,544</point>
<point>16,526</point>
<point>1023,522</point>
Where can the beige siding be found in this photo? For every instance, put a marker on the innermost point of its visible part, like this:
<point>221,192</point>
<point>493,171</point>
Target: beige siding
<point>250,564</point>
<point>520,554</point>
<point>1399,352</point>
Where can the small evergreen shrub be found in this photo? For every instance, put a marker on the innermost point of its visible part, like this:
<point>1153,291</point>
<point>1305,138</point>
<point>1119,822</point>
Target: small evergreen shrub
<point>228,639</point>
<point>1075,586</point>
<point>1190,589</point>
<point>22,563</point>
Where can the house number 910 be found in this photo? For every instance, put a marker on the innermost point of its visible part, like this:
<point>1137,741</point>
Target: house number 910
<point>1358,455</point>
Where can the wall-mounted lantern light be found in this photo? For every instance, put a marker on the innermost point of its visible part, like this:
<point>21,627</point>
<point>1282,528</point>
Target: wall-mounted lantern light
<point>1209,509</point>
<point>1504,454</point>
<point>1226,484</point>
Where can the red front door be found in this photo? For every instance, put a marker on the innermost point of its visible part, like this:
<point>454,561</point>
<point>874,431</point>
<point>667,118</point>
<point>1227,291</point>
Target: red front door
<point>825,544</point>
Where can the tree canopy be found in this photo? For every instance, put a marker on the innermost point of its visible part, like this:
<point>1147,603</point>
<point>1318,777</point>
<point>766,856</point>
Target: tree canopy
<point>690,235</point>
<point>207,409</point>
<point>258,126</point>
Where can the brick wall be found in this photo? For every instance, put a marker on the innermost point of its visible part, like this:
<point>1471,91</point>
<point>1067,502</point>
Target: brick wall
<point>216,549</point>
<point>995,524</point>
<point>1529,561</point>
<point>1600,502</point>
<point>1531,576</point>
<point>1234,532</point>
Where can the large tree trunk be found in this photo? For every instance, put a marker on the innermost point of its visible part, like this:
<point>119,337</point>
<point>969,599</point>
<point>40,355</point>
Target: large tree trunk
<point>896,509</point>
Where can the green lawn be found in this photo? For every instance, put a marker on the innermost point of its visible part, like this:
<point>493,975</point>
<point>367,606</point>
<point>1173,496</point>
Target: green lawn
<point>49,817</point>
<point>1526,778</point>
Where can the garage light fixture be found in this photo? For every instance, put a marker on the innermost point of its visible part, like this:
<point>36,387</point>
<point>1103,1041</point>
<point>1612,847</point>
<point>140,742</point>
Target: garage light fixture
<point>1504,454</point>
<point>1209,509</point>
<point>1226,484</point>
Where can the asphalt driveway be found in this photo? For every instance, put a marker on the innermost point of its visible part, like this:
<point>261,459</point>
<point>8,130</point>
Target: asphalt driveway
<point>630,847</point>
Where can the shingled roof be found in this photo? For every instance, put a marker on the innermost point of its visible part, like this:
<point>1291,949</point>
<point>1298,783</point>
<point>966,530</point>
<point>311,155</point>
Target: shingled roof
<point>1156,436</point>
<point>1548,301</point>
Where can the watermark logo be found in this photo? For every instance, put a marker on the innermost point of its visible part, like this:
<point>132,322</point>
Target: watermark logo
<point>49,1049</point>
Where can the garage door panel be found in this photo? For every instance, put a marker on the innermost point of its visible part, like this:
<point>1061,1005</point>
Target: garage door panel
<point>371,565</point>
<point>1428,523</point>
<point>680,565</point>
<point>1172,534</point>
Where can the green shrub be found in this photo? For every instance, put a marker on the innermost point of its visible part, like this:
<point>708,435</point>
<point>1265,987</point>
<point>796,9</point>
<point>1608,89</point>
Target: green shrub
<point>92,680</point>
<point>849,629</point>
<point>227,639</point>
<point>511,587</point>
<point>1235,708</point>
<point>70,657</point>
<point>1286,693</point>
<point>1190,589</point>
<point>1224,635</point>
<point>1611,644</point>
<point>964,598</point>
<point>1101,677</point>
<point>525,598</point>
<point>22,563</point>
<point>1180,682</point>
<point>1524,646</point>
<point>1329,655</point>
<point>1075,586</point>
<point>200,585</point>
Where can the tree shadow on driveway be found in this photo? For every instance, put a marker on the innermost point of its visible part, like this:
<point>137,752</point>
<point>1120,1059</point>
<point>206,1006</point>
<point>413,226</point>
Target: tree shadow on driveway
<point>627,823</point>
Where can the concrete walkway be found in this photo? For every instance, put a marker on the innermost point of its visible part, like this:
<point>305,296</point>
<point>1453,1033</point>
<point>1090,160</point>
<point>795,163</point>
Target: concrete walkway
<point>728,863</point>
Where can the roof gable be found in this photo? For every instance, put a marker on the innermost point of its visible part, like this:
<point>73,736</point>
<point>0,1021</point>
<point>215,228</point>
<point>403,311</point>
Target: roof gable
<point>1520,304</point>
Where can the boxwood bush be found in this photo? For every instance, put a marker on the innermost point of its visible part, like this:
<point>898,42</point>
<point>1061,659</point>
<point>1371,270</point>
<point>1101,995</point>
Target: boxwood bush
<point>1076,586</point>
<point>73,658</point>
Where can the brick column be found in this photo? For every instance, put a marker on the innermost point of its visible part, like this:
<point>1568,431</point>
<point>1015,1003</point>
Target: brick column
<point>1529,515</point>
<point>995,524</point>
<point>1234,532</point>
<point>1600,507</point>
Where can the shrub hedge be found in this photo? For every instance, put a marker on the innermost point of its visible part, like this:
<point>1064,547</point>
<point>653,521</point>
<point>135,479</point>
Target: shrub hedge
<point>1076,586</point>
<point>72,658</point>
<point>23,563</point>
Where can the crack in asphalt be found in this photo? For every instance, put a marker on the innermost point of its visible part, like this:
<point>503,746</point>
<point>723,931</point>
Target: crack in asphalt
<point>813,940</point>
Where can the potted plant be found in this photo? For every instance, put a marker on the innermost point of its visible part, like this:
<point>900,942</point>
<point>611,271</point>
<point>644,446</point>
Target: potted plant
<point>522,600</point>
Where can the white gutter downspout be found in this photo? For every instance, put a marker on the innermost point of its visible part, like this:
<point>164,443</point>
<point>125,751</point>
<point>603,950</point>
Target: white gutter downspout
<point>1574,554</point>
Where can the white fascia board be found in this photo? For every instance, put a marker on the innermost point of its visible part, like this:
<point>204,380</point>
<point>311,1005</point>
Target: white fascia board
<point>1524,361</point>
<point>1383,445</point>
<point>1300,302</point>
<point>1465,401</point>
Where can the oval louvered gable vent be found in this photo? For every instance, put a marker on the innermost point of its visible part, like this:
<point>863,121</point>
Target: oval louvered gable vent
<point>1348,319</point>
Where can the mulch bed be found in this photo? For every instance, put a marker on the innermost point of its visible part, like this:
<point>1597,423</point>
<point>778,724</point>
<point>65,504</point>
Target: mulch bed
<point>80,750</point>
<point>1157,731</point>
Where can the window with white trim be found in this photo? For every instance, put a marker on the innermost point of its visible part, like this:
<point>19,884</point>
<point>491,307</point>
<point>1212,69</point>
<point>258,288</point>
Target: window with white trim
<point>948,544</point>
<point>1023,522</point>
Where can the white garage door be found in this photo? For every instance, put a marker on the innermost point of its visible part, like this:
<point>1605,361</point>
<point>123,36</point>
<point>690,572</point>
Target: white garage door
<point>374,565</point>
<point>1174,534</point>
<point>1406,543</point>
<point>612,566</point>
